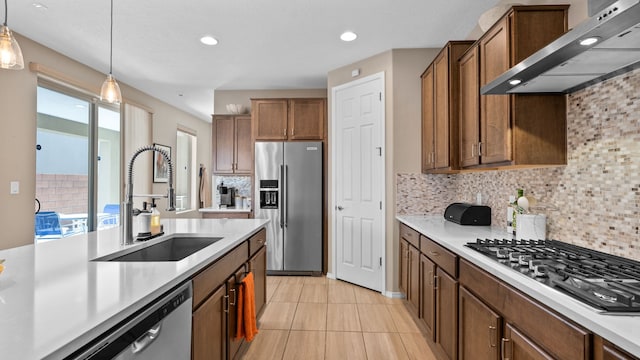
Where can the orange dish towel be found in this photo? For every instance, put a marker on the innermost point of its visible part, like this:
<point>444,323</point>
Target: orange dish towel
<point>246,324</point>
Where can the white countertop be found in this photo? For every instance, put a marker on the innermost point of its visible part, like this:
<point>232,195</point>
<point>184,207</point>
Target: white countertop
<point>621,330</point>
<point>53,299</point>
<point>225,210</point>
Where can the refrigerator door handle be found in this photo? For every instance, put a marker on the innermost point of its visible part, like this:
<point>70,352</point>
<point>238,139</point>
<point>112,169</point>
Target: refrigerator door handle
<point>286,194</point>
<point>282,202</point>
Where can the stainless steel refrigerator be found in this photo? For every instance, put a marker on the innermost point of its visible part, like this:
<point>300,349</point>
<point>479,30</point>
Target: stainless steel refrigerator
<point>288,192</point>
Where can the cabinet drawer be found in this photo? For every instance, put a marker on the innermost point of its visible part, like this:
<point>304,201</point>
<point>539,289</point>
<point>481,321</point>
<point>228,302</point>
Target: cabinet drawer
<point>410,235</point>
<point>257,241</point>
<point>215,275</point>
<point>481,284</point>
<point>444,258</point>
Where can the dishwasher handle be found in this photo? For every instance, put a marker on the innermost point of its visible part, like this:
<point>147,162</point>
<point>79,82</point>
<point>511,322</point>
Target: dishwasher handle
<point>146,339</point>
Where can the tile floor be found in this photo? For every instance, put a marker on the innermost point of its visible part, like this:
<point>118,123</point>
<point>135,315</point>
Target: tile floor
<point>319,318</point>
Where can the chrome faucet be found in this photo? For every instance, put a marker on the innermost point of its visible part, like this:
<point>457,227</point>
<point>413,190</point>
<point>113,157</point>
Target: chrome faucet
<point>127,206</point>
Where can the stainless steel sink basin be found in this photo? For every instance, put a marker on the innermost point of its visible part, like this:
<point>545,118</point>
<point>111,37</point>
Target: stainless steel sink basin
<point>172,249</point>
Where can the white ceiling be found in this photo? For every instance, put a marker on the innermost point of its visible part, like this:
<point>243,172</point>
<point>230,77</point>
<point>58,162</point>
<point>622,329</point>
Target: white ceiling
<point>276,44</point>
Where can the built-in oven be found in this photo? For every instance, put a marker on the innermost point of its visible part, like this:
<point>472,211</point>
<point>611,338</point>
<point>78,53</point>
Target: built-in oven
<point>162,330</point>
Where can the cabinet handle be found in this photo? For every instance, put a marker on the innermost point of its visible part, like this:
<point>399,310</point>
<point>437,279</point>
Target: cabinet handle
<point>473,150</point>
<point>284,132</point>
<point>492,336</point>
<point>234,297</point>
<point>292,132</point>
<point>480,149</point>
<point>435,282</point>
<point>433,157</point>
<point>431,278</point>
<point>503,345</point>
<point>434,253</point>
<point>226,303</point>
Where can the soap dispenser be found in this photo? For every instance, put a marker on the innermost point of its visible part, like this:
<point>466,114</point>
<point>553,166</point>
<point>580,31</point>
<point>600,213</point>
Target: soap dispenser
<point>155,218</point>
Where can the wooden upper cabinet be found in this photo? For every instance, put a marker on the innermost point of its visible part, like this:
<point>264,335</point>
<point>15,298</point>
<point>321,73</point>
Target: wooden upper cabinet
<point>495,124</point>
<point>269,119</point>
<point>428,120</point>
<point>440,109</point>
<point>231,144</point>
<point>513,130</point>
<point>289,119</point>
<point>306,119</point>
<point>469,108</point>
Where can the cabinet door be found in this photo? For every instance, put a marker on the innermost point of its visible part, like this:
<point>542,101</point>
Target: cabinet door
<point>469,108</point>
<point>223,144</point>
<point>258,265</point>
<point>447,313</point>
<point>479,331</point>
<point>428,295</point>
<point>269,117</point>
<point>495,115</point>
<point>209,322</point>
<point>404,266</point>
<point>427,120</point>
<point>517,346</point>
<point>414,280</point>
<point>306,119</point>
<point>232,291</point>
<point>441,110</point>
<point>243,149</point>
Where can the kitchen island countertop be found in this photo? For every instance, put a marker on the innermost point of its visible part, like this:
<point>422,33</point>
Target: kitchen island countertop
<point>54,299</point>
<point>621,330</point>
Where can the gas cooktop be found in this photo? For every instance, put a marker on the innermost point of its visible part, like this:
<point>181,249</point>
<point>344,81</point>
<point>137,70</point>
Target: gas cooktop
<point>607,282</point>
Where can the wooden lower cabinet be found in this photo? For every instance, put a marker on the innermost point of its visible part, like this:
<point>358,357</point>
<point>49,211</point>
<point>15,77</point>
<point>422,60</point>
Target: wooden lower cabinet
<point>479,331</point>
<point>404,266</point>
<point>604,350</point>
<point>209,327</point>
<point>226,215</point>
<point>215,304</point>
<point>428,296</point>
<point>447,313</point>
<point>258,266</point>
<point>517,346</point>
<point>531,331</point>
<point>413,292</point>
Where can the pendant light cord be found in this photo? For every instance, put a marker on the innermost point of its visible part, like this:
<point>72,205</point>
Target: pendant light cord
<point>5,12</point>
<point>110,42</point>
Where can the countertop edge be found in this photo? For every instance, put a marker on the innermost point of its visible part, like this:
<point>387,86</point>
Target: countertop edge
<point>559,302</point>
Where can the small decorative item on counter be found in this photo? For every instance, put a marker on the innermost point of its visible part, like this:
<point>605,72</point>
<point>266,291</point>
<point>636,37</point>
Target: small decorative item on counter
<point>510,213</point>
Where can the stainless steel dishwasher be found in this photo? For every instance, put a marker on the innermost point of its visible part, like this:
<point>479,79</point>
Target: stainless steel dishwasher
<point>160,331</point>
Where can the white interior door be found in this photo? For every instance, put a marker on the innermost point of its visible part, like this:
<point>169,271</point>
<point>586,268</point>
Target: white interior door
<point>358,168</point>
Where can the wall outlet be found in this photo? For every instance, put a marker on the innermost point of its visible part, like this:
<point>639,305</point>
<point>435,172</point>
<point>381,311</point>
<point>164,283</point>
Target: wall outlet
<point>15,187</point>
<point>355,72</point>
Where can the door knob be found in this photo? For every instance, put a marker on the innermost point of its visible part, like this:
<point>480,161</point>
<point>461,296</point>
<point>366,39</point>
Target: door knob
<point>340,208</point>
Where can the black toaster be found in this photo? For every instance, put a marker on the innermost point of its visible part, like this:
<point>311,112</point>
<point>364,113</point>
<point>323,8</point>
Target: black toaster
<point>468,214</point>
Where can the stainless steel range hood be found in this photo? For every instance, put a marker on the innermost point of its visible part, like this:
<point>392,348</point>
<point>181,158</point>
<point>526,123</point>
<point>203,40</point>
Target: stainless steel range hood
<point>565,65</point>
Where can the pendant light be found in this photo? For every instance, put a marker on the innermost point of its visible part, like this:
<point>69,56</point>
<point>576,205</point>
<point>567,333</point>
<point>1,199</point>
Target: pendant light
<point>110,91</point>
<point>10,53</point>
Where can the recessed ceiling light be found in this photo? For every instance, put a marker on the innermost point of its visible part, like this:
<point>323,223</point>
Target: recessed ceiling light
<point>348,36</point>
<point>514,82</point>
<point>40,6</point>
<point>589,41</point>
<point>208,40</point>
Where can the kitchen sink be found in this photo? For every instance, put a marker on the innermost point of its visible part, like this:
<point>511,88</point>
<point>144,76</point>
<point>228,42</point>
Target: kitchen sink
<point>173,249</point>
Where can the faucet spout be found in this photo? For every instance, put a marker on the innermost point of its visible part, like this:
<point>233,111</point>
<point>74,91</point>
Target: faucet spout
<point>127,205</point>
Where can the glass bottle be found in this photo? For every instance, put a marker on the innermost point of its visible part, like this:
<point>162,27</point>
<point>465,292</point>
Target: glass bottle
<point>155,219</point>
<point>516,210</point>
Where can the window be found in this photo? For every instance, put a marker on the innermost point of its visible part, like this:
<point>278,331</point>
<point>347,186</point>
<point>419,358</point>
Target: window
<point>74,187</point>
<point>186,171</point>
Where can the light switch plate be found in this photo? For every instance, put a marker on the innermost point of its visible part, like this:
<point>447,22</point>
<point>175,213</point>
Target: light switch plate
<point>15,187</point>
